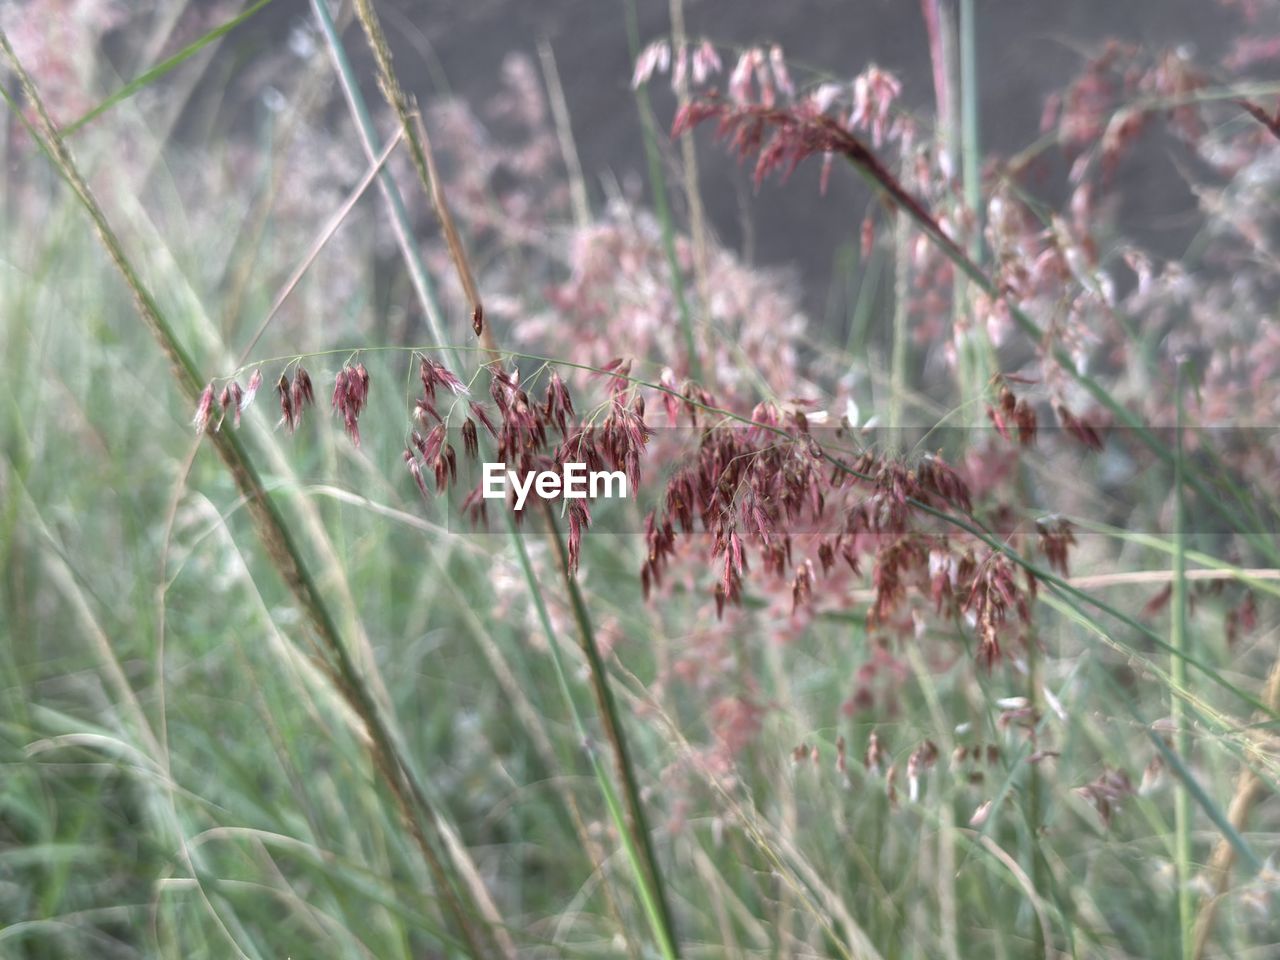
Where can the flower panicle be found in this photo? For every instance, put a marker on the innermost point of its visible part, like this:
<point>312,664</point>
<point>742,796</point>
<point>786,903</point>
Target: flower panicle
<point>231,401</point>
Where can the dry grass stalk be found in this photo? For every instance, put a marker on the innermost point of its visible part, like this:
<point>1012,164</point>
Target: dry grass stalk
<point>268,521</point>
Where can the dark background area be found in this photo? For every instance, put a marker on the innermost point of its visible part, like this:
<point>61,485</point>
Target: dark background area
<point>1027,48</point>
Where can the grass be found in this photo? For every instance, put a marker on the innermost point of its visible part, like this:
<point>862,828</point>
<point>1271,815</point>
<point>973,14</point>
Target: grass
<point>258,701</point>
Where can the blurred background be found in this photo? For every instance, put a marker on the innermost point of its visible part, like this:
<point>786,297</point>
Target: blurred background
<point>340,727</point>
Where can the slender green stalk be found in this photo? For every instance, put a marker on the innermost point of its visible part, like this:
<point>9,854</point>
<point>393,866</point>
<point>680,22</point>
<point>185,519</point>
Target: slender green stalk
<point>649,875</point>
<point>661,204</point>
<point>692,192</point>
<point>651,896</point>
<point>900,349</point>
<point>970,144</point>
<point>420,152</point>
<point>418,274</point>
<point>978,357</point>
<point>1178,640</point>
<point>272,527</point>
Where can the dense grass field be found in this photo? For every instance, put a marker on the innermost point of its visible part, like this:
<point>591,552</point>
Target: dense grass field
<point>938,621</point>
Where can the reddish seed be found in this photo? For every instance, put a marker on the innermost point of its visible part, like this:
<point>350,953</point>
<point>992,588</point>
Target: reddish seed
<point>283,388</point>
<point>224,404</point>
<point>204,409</point>
<point>350,393</point>
<point>415,470</point>
<point>302,381</point>
<point>296,400</point>
<point>470,441</point>
<point>255,382</point>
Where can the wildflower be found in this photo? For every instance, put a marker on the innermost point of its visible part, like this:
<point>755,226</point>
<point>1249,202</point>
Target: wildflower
<point>1106,792</point>
<point>479,412</point>
<point>224,403</point>
<point>705,62</point>
<point>350,393</point>
<point>445,467</point>
<point>873,758</point>
<point>559,405</point>
<point>579,521</point>
<point>470,441</point>
<point>655,58</point>
<point>287,411</point>
<point>874,91</point>
<point>764,78</point>
<point>1153,777</point>
<point>981,813</point>
<point>415,470</point>
<point>740,79</point>
<point>235,397</point>
<point>825,97</point>
<point>255,382</point>
<point>431,446</point>
<point>435,374</point>
<point>993,593</point>
<point>204,409</point>
<point>802,588</point>
<point>798,132</point>
<point>781,76</point>
<point>301,394</point>
<point>937,477</point>
<point>474,506</point>
<point>919,763</point>
<point>1083,431</point>
<point>1056,538</point>
<point>1009,411</point>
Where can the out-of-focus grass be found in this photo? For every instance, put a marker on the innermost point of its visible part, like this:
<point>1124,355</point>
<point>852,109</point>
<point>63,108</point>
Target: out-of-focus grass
<point>178,779</point>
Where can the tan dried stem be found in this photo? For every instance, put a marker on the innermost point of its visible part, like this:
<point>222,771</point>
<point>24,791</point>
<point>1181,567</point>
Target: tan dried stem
<point>1249,790</point>
<point>564,133</point>
<point>415,135</point>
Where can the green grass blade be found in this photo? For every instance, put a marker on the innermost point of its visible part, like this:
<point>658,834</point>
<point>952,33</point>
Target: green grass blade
<point>1178,674</point>
<point>163,67</point>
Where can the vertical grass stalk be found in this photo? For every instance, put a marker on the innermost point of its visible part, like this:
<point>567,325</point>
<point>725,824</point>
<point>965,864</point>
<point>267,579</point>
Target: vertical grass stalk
<point>635,833</point>
<point>900,347</point>
<point>1178,639</point>
<point>976,355</point>
<point>272,527</point>
<point>418,275</point>
<point>661,203</point>
<point>634,836</point>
